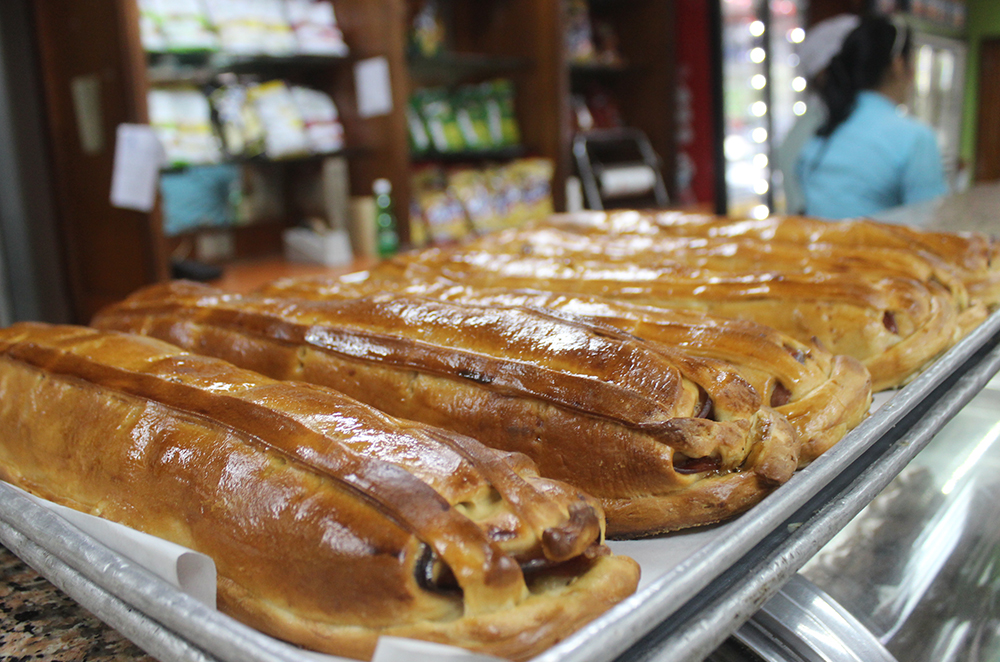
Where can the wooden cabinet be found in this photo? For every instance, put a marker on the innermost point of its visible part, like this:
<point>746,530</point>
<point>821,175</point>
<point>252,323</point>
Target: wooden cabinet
<point>525,41</point>
<point>93,66</point>
<point>642,82</point>
<point>96,76</point>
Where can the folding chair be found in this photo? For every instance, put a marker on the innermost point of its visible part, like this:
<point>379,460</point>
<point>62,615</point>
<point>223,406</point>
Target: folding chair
<point>618,168</point>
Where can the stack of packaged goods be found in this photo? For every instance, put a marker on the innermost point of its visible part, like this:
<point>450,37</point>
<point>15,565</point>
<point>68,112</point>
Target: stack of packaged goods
<point>229,117</point>
<point>241,27</point>
<point>469,118</point>
<point>449,204</point>
<point>236,120</point>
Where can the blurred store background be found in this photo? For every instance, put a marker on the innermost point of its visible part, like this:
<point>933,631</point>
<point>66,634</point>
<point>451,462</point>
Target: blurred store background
<point>277,118</point>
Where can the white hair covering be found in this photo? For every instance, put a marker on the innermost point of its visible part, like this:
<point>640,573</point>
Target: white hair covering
<point>823,41</point>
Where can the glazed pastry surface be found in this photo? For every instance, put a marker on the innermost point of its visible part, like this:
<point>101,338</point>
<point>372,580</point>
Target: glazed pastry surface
<point>821,394</point>
<point>894,307</point>
<point>659,436</point>
<point>330,523</point>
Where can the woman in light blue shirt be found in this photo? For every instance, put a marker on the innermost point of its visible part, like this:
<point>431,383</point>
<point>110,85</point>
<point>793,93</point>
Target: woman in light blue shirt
<point>869,156</point>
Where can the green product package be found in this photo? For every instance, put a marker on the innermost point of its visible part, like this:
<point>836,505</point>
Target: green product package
<point>420,140</point>
<point>435,107</point>
<point>498,100</point>
<point>471,115</point>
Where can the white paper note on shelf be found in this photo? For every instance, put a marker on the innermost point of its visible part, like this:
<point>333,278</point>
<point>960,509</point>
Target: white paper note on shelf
<point>373,87</point>
<point>136,173</point>
<point>86,91</point>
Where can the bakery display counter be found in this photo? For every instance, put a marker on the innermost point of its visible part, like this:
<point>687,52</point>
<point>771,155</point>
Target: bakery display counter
<point>912,577</point>
<point>750,577</point>
<point>698,586</point>
<point>974,210</point>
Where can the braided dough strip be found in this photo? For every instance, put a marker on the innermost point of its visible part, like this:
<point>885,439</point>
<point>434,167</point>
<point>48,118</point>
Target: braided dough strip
<point>973,255</point>
<point>895,324</point>
<point>330,523</point>
<point>822,395</point>
<point>588,403</point>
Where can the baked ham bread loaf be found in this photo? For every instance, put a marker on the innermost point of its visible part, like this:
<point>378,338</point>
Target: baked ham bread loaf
<point>893,309</point>
<point>666,440</point>
<point>330,523</point>
<point>973,256</point>
<point>822,395</point>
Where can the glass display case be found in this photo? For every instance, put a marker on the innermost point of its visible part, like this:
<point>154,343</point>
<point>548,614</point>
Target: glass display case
<point>914,576</point>
<point>938,90</point>
<point>763,92</point>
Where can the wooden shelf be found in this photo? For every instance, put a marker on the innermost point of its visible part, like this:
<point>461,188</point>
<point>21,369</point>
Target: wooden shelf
<point>452,68</point>
<point>598,68</point>
<point>471,156</point>
<point>263,160</point>
<point>200,68</point>
<point>111,252</point>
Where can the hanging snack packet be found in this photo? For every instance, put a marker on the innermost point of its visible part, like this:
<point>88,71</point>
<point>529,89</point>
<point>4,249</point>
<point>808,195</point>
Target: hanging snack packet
<point>324,131</point>
<point>470,114</point>
<point>498,98</point>
<point>427,31</point>
<point>471,187</point>
<point>420,140</point>
<point>242,134</point>
<point>533,177</point>
<point>284,130</point>
<point>252,27</point>
<point>150,32</point>
<point>507,196</point>
<point>315,26</point>
<point>184,25</point>
<point>182,120</point>
<point>439,117</point>
<point>441,214</point>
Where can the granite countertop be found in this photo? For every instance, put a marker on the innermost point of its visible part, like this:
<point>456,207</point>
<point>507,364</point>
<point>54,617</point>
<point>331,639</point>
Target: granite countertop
<point>40,622</point>
<point>974,210</point>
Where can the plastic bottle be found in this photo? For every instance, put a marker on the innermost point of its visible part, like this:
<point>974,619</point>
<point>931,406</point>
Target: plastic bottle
<point>386,232</point>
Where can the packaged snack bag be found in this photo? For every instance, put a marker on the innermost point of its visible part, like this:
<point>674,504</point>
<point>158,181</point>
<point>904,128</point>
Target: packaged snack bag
<point>324,131</point>
<point>315,26</point>
<point>183,24</point>
<point>284,130</point>
<point>438,114</point>
<point>471,116</point>
<point>440,213</point>
<point>182,120</point>
<point>498,98</point>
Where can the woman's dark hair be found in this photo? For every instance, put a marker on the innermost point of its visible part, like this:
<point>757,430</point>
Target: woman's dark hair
<point>861,64</point>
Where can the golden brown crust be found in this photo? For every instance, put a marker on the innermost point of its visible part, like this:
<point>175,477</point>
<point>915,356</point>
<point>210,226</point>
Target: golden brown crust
<point>895,304</point>
<point>971,256</point>
<point>294,489</point>
<point>516,378</point>
<point>555,607</point>
<point>823,395</point>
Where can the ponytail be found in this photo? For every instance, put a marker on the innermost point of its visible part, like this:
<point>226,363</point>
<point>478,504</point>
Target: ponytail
<point>862,64</point>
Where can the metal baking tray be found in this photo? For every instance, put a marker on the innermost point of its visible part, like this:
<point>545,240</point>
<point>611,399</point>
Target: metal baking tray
<point>697,586</point>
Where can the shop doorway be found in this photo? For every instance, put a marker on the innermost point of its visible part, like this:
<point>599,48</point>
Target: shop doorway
<point>988,129</point>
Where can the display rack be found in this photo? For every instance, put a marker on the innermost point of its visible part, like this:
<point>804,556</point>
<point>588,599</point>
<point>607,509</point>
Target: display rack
<point>716,578</point>
<point>96,47</point>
